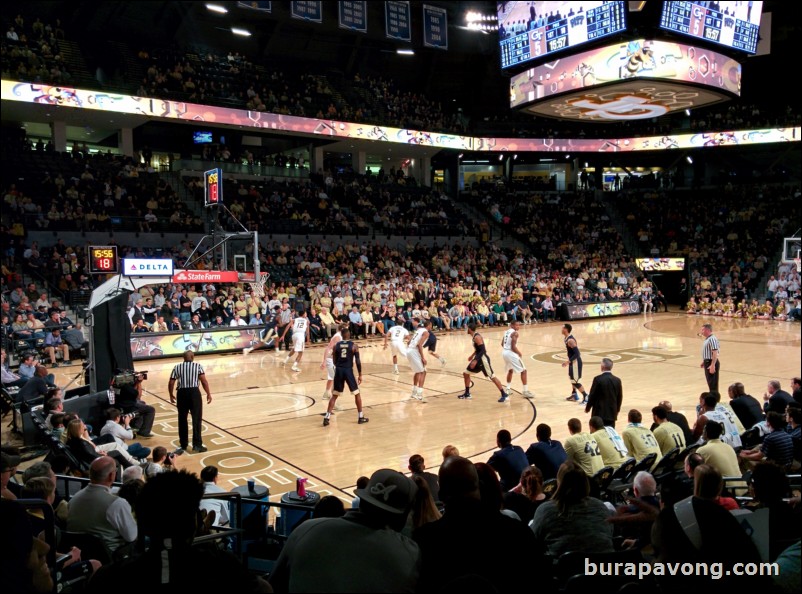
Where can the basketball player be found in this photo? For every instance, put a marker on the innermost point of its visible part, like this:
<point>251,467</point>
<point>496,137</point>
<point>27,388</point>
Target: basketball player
<point>417,361</point>
<point>431,342</point>
<point>398,336</point>
<point>479,361</point>
<point>328,362</point>
<point>573,355</point>
<point>267,333</point>
<point>300,334</point>
<point>345,353</point>
<point>513,359</point>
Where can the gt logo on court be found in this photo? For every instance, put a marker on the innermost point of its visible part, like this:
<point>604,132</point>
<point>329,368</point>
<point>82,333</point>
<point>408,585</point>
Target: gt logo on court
<point>617,356</point>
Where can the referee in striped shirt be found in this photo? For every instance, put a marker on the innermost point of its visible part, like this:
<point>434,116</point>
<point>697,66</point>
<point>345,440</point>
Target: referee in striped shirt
<point>188,375</point>
<point>710,362</point>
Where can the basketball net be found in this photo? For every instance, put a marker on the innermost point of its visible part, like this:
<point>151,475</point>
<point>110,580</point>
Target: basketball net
<point>798,263</point>
<point>258,287</point>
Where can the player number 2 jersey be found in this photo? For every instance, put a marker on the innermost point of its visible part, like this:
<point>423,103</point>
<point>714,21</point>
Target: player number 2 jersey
<point>398,333</point>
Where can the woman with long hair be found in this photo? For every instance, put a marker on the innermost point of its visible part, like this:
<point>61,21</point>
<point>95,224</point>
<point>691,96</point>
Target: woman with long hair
<point>423,509</point>
<point>572,520</point>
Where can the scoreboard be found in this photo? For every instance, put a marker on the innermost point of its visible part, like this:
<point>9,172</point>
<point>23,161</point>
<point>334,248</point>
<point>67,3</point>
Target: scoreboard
<point>732,24</point>
<point>531,30</point>
<point>103,259</point>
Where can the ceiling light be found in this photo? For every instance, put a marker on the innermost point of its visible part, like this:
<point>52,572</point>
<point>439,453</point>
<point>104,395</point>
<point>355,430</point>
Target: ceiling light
<point>405,52</point>
<point>238,31</point>
<point>217,8</point>
<point>689,159</point>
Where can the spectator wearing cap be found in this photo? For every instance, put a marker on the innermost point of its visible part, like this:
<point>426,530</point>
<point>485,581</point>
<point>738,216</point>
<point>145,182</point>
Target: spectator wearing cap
<point>362,551</point>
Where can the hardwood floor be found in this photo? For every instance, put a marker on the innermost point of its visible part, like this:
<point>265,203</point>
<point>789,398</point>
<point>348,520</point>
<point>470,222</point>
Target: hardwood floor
<point>266,421</point>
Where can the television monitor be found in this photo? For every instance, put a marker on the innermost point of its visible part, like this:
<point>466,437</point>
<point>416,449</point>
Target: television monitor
<point>531,30</point>
<point>202,136</point>
<point>660,264</point>
<point>732,24</point>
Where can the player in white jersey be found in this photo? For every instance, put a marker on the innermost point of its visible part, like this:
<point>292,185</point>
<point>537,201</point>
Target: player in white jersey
<point>300,334</point>
<point>416,358</point>
<point>398,337</point>
<point>328,362</point>
<point>513,359</point>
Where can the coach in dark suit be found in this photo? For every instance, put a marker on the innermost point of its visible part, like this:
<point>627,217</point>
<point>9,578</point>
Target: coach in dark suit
<point>606,395</point>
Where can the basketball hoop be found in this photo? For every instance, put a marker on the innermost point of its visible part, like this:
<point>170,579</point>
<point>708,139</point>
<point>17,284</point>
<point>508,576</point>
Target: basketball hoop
<point>258,287</point>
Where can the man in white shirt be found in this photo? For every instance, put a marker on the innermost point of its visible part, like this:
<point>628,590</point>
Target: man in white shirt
<point>95,510</point>
<point>237,321</point>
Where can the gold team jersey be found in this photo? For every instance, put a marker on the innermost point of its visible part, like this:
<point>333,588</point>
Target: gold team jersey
<point>585,452</point>
<point>669,436</point>
<point>610,455</point>
<point>640,442</point>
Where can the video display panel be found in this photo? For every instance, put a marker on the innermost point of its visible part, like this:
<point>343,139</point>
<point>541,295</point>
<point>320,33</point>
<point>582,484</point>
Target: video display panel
<point>531,30</point>
<point>732,24</point>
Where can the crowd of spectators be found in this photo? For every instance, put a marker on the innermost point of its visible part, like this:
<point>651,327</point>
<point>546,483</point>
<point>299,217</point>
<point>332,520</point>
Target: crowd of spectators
<point>78,191</point>
<point>31,51</point>
<point>409,521</point>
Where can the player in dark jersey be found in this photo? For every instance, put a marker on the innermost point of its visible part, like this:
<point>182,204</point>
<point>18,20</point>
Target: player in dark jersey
<point>572,350</point>
<point>266,335</point>
<point>431,342</point>
<point>479,362</point>
<point>345,353</point>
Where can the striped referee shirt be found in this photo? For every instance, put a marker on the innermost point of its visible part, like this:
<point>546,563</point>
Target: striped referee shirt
<point>710,345</point>
<point>187,374</point>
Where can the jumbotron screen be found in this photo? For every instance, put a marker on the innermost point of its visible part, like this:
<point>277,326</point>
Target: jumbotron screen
<point>532,30</point>
<point>732,24</point>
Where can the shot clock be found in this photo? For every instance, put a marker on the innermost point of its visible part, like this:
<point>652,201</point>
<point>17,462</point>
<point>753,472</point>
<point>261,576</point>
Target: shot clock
<point>103,259</point>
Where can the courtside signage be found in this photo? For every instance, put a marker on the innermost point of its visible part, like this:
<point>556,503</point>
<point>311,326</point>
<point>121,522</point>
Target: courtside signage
<point>206,276</point>
<point>147,267</point>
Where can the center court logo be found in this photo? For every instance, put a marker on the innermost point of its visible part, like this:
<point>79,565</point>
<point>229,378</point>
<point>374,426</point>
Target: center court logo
<point>617,356</point>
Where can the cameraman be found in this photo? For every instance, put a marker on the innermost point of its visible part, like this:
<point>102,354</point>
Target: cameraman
<point>162,462</point>
<point>129,399</point>
<point>118,426</point>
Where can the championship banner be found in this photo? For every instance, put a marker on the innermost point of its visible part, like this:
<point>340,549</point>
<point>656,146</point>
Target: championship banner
<point>603,309</point>
<point>307,11</point>
<point>435,27</point>
<point>397,20</point>
<point>353,16</point>
<point>150,345</point>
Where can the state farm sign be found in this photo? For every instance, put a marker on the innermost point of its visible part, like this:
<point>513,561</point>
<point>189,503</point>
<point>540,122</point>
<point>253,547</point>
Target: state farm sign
<point>206,276</point>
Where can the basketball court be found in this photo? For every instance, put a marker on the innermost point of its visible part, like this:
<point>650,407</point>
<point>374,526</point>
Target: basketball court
<point>266,421</point>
